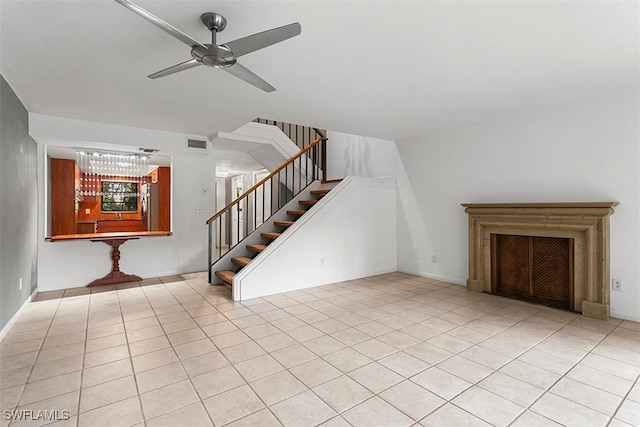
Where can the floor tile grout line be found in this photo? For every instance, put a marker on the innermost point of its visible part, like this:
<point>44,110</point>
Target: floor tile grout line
<point>179,361</point>
<point>209,338</point>
<point>624,399</point>
<point>376,361</point>
<point>17,404</point>
<point>356,308</point>
<point>246,382</point>
<point>35,362</point>
<point>548,390</point>
<point>494,370</point>
<point>454,354</point>
<point>133,371</point>
<point>84,355</point>
<point>91,297</point>
<point>285,369</point>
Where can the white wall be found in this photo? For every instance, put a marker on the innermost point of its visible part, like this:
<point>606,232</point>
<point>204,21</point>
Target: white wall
<point>350,233</point>
<point>267,144</point>
<point>355,155</point>
<point>76,263</point>
<point>581,152</point>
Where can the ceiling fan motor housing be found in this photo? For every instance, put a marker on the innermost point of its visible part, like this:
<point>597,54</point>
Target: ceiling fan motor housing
<point>218,56</point>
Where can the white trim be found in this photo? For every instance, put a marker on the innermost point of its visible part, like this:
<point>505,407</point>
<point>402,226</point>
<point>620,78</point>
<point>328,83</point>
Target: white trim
<point>14,318</point>
<point>631,317</point>
<point>613,313</point>
<point>452,280</point>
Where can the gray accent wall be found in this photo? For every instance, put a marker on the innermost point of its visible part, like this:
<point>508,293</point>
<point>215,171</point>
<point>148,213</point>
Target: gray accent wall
<point>18,205</point>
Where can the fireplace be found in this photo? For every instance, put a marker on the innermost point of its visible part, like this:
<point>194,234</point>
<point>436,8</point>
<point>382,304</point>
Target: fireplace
<point>552,253</point>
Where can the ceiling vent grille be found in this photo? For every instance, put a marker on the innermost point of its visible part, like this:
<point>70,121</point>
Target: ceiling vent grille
<point>149,150</point>
<point>197,144</point>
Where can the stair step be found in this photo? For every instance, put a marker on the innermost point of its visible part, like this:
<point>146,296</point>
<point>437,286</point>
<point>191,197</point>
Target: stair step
<point>283,223</point>
<point>241,260</point>
<point>331,181</point>
<point>320,192</point>
<point>226,276</point>
<point>297,212</point>
<point>270,235</point>
<point>308,202</point>
<point>256,247</point>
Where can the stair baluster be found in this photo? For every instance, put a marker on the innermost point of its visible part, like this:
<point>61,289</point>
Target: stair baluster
<point>221,229</point>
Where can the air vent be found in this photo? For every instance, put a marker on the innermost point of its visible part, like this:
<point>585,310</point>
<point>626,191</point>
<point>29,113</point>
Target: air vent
<point>149,150</point>
<point>198,144</point>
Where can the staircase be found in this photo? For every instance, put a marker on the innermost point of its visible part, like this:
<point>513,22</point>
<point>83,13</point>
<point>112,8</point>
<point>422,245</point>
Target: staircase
<point>245,227</point>
<point>280,226</point>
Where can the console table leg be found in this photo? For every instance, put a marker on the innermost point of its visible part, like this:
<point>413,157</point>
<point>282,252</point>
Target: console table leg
<point>116,276</point>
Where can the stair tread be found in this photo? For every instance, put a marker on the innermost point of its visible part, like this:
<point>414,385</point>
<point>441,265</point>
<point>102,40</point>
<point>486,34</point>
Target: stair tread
<point>331,181</point>
<point>225,275</point>
<point>270,235</point>
<point>241,260</point>
<point>296,212</point>
<point>256,247</point>
<point>320,192</point>
<point>283,223</point>
<point>307,202</point>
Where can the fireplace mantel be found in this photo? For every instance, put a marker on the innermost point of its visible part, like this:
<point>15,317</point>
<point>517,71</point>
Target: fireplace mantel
<point>585,222</point>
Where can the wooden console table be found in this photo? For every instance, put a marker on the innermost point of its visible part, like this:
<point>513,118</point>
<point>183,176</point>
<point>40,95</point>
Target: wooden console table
<point>115,240</point>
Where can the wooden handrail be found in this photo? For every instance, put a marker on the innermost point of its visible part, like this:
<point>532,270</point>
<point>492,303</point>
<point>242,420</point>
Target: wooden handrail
<point>267,178</point>
<point>319,132</point>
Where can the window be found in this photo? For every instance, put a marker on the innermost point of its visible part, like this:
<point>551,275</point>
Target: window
<point>119,196</point>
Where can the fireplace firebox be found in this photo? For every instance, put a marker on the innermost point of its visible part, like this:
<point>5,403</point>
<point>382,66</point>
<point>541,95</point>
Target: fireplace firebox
<point>537,269</point>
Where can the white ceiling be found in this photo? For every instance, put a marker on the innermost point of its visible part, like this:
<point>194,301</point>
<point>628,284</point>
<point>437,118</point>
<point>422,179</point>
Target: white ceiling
<point>389,69</point>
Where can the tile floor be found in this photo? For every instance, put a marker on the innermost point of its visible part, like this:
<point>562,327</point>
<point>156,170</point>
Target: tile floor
<point>389,350</point>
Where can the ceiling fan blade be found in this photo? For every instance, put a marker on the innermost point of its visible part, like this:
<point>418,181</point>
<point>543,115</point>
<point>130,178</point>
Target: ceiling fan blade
<point>248,76</point>
<point>175,68</point>
<point>261,40</point>
<point>168,28</point>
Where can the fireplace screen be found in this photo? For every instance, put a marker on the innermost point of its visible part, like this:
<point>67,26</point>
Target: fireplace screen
<point>537,269</point>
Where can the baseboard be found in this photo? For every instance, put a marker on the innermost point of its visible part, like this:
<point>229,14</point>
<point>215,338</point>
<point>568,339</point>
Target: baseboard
<point>14,318</point>
<point>59,287</point>
<point>614,314</point>
<point>625,316</point>
<point>453,280</point>
<point>312,284</point>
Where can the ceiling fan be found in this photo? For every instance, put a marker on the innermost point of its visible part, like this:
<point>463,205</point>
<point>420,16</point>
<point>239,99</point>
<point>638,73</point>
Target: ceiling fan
<point>222,56</point>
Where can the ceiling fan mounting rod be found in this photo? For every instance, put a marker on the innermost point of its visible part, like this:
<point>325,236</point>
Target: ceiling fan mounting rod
<point>214,22</point>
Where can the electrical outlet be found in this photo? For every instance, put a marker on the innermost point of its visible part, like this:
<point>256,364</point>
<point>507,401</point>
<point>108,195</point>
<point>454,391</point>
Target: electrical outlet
<point>434,258</point>
<point>616,285</point>
<point>201,209</point>
<point>20,284</point>
<point>321,262</point>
